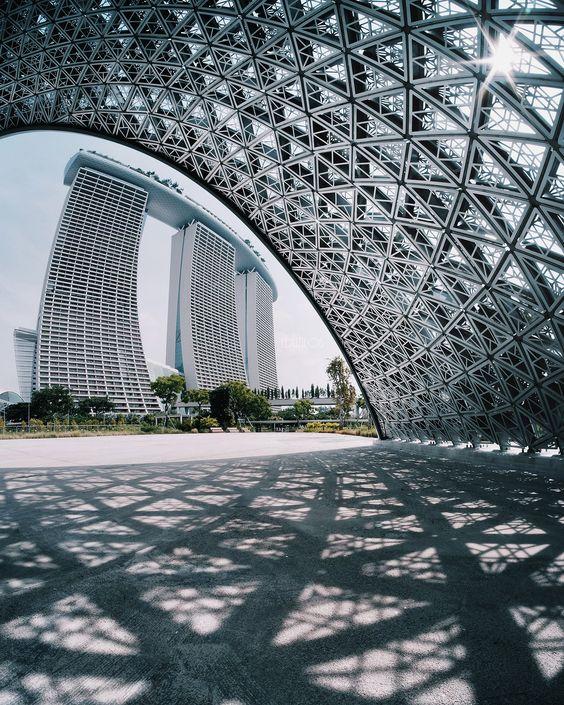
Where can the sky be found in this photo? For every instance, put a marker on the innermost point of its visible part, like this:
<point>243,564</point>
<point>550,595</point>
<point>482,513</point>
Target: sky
<point>31,199</point>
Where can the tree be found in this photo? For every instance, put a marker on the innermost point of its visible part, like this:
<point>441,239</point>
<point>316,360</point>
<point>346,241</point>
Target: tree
<point>345,393</point>
<point>51,402</point>
<point>219,406</point>
<point>287,414</point>
<point>317,393</point>
<point>95,405</point>
<point>239,398</point>
<point>229,402</point>
<point>360,405</point>
<point>303,408</point>
<point>197,396</point>
<point>311,391</point>
<point>328,390</point>
<point>167,390</point>
<point>17,412</point>
<point>258,408</point>
<point>232,401</point>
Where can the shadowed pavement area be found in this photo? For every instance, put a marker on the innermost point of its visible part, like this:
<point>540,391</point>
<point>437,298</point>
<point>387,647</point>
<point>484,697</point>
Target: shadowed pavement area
<point>366,575</point>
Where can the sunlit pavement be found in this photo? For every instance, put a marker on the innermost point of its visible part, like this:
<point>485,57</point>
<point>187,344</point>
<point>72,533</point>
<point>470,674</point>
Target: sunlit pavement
<point>160,448</point>
<point>372,574</point>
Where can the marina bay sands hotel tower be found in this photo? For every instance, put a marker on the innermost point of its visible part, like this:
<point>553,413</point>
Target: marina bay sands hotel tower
<point>88,338</point>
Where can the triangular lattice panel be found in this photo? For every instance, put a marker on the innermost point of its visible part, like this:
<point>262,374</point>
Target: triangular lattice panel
<point>415,191</point>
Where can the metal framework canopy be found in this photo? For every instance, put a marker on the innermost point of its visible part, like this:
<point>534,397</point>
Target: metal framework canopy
<point>404,159</point>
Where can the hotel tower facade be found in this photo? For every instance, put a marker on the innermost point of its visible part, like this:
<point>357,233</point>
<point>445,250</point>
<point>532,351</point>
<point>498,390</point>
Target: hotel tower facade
<point>220,323</point>
<point>254,299</point>
<point>88,337</point>
<point>203,340</point>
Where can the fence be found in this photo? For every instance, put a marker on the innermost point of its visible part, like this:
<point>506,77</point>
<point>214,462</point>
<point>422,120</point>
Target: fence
<point>294,425</point>
<point>58,427</point>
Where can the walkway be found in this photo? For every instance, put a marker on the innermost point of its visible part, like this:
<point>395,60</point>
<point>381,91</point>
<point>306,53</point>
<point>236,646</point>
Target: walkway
<point>340,577</point>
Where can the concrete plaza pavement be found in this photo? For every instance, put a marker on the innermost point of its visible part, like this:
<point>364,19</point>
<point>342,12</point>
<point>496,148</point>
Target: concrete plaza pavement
<point>165,448</point>
<point>371,574</point>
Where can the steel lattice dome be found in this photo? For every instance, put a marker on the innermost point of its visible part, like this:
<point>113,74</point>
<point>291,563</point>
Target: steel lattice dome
<point>403,159</point>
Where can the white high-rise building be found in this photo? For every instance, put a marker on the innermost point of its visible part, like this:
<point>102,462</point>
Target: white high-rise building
<point>203,338</point>
<point>88,336</point>
<point>88,331</point>
<point>25,342</point>
<point>220,321</point>
<point>254,299</point>
<point>159,369</point>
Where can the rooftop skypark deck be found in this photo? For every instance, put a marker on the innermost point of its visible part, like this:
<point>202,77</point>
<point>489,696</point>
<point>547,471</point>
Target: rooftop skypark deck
<point>169,206</point>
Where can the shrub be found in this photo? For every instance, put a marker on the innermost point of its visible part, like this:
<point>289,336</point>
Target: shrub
<point>184,425</point>
<point>316,427</point>
<point>206,422</point>
<point>36,425</point>
<point>365,431</point>
<point>150,428</point>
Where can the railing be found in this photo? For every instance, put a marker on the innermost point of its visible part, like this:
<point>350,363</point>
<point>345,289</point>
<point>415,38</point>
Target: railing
<point>295,424</point>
